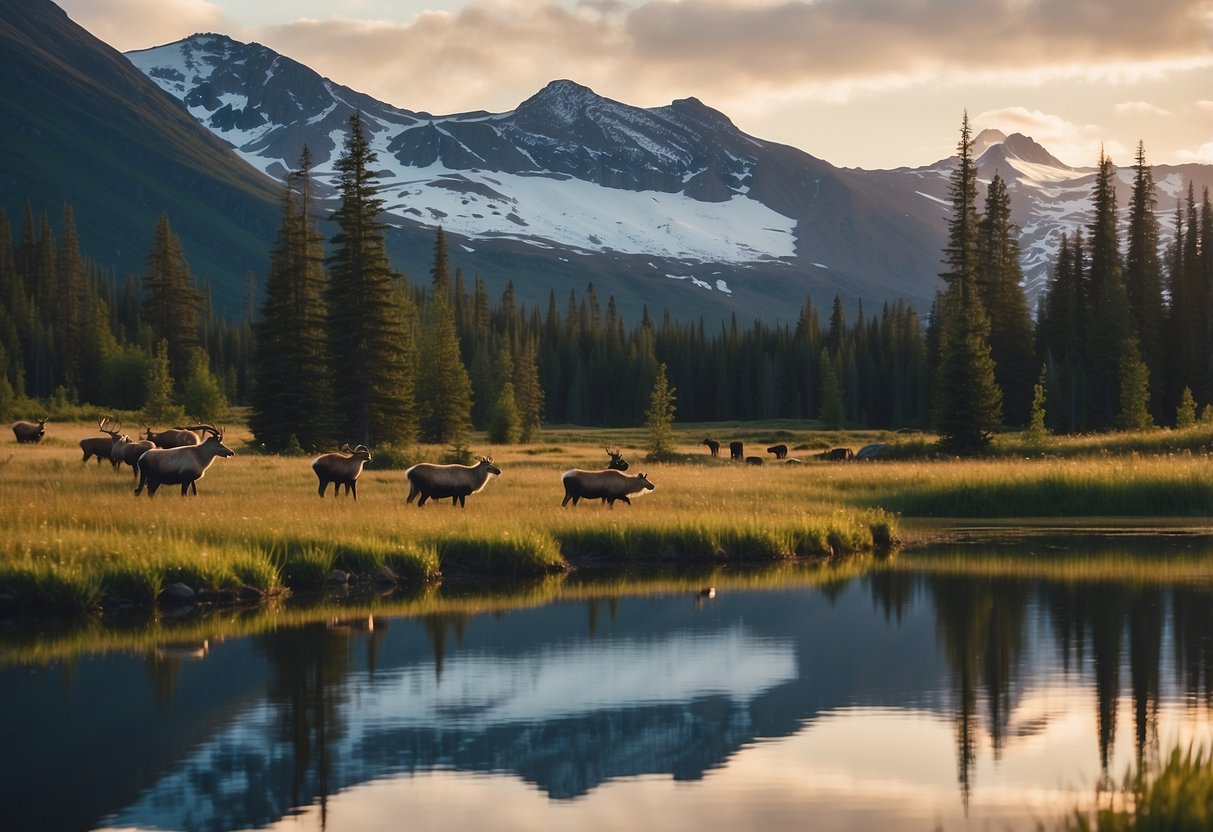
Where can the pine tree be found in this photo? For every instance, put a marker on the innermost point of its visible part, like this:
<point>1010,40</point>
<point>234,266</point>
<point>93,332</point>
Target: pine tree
<point>659,418</point>
<point>370,317</point>
<point>833,410</point>
<point>505,423</point>
<point>158,405</point>
<point>528,393</point>
<point>1109,329</point>
<point>999,279</point>
<point>1185,413</point>
<point>292,398</point>
<point>1134,391</point>
<point>1036,430</point>
<point>201,395</point>
<point>444,390</point>
<point>968,402</point>
<point>1143,276</point>
<point>170,300</point>
<point>440,275</point>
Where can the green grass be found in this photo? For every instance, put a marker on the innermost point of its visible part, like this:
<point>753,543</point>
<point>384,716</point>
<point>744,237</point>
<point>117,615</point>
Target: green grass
<point>74,537</point>
<point>1171,796</point>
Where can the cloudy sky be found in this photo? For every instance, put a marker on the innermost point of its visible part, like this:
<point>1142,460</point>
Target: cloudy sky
<point>864,83</point>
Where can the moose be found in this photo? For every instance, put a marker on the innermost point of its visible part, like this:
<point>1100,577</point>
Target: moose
<point>607,485</point>
<point>780,451</point>
<point>736,450</point>
<point>435,481</point>
<point>713,445</point>
<point>129,450</point>
<point>101,447</point>
<point>617,463</point>
<point>341,469</point>
<point>185,464</point>
<point>29,432</point>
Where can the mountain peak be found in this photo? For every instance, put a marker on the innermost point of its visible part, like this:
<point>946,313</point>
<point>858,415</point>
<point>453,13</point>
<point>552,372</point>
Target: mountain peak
<point>562,97</point>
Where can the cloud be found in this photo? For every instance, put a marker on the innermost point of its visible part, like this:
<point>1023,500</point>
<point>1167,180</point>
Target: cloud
<point>727,51</point>
<point>137,24</point>
<point>1074,144</point>
<point>1205,105</point>
<point>1141,108</point>
<point>1203,155</point>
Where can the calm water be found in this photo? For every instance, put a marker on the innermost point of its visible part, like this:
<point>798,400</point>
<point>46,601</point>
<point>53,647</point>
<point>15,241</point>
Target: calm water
<point>914,699</point>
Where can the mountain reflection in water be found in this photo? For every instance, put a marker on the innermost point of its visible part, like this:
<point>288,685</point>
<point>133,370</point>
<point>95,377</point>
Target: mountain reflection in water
<point>849,687</point>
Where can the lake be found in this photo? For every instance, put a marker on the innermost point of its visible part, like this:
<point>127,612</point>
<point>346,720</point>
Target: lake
<point>989,685</point>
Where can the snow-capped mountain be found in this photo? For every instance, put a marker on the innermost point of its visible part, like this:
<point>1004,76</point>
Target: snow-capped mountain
<point>671,206</point>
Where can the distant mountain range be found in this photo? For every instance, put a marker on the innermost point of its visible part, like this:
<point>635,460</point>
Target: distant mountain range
<point>670,207</point>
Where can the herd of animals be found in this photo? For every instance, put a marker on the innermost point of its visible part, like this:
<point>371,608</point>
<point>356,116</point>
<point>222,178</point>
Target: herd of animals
<point>181,456</point>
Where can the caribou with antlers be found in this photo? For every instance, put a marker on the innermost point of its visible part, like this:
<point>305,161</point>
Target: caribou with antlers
<point>102,447</point>
<point>185,465</point>
<point>341,469</point>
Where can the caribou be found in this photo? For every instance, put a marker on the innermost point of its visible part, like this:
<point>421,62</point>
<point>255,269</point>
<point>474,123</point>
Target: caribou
<point>736,450</point>
<point>780,451</point>
<point>177,437</point>
<point>99,447</point>
<point>713,445</point>
<point>129,450</point>
<point>341,469</point>
<point>185,465</point>
<point>30,432</point>
<point>617,463</point>
<point>454,481</point>
<point>607,485</point>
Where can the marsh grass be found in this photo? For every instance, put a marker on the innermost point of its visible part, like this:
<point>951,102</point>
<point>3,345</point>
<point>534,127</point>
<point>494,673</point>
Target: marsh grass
<point>257,526</point>
<point>1171,796</point>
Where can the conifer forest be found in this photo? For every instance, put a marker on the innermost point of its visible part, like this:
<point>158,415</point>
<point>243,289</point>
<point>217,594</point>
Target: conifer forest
<point>336,345</point>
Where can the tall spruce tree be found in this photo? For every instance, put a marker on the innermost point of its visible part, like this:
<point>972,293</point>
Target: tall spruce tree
<point>371,325</point>
<point>999,279</point>
<point>1143,277</point>
<point>171,303</point>
<point>1110,338</point>
<point>293,395</point>
<point>659,418</point>
<point>444,390</point>
<point>968,403</point>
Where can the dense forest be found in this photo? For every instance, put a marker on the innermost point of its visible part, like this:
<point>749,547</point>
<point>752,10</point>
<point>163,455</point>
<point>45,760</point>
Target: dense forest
<point>339,346</point>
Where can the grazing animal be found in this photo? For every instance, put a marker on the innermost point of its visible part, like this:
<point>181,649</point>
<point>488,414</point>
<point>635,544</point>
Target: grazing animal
<point>29,432</point>
<point>837,454</point>
<point>617,463</point>
<point>454,481</point>
<point>713,445</point>
<point>341,469</point>
<point>736,450</point>
<point>102,447</point>
<point>173,437</point>
<point>753,460</point>
<point>129,450</point>
<point>606,485</point>
<point>185,465</point>
<point>780,451</point>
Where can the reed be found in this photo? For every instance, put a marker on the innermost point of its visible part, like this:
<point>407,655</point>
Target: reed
<point>1173,795</point>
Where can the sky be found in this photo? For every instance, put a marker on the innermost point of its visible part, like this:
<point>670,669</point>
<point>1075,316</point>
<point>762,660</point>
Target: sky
<point>858,83</point>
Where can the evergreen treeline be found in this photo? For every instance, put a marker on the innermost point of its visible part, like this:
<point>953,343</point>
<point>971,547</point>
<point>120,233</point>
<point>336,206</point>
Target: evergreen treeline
<point>70,333</point>
<point>348,349</point>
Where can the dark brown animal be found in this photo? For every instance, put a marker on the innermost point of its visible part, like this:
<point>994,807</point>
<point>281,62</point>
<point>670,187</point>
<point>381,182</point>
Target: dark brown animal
<point>29,432</point>
<point>753,460</point>
<point>341,469</point>
<point>172,437</point>
<point>736,450</point>
<point>606,485</point>
<point>99,446</point>
<point>127,450</point>
<point>617,463</point>
<point>713,445</point>
<point>780,451</point>
<point>455,481</point>
<point>837,454</point>
<point>185,465</point>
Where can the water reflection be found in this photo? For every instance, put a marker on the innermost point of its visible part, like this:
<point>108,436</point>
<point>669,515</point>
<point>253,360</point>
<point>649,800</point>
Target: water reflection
<point>1042,684</point>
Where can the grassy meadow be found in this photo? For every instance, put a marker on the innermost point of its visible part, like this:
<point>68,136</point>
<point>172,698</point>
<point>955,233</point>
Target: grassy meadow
<point>73,537</point>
